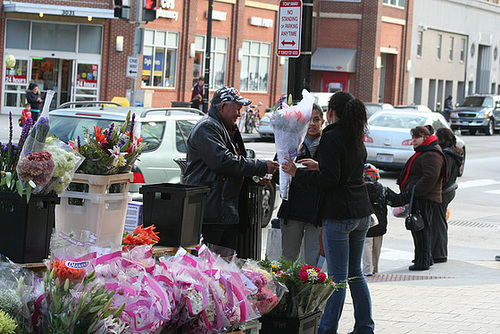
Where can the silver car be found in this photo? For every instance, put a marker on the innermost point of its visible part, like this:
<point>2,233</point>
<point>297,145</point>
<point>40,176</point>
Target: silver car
<point>388,141</point>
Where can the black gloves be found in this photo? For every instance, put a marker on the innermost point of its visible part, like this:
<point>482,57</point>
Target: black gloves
<point>394,199</point>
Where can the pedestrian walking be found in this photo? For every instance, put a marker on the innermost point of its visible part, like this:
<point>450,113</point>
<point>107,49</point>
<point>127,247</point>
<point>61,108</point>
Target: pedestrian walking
<point>216,157</point>
<point>298,214</point>
<point>448,107</point>
<point>424,170</point>
<point>439,227</point>
<point>344,207</point>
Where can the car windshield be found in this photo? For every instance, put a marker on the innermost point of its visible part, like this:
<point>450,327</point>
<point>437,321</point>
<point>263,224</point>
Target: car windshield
<point>478,101</point>
<point>401,121</point>
<point>69,128</point>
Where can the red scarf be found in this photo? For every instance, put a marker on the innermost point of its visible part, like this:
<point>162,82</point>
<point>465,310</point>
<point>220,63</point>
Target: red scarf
<point>427,145</point>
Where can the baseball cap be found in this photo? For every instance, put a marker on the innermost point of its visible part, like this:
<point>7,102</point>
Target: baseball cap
<point>228,94</point>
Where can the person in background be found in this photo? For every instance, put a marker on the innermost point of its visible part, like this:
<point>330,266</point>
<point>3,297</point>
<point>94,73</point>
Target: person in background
<point>344,207</point>
<point>25,114</point>
<point>298,213</point>
<point>198,88</point>
<point>216,157</point>
<point>424,170</point>
<point>454,159</point>
<point>34,99</point>
<point>374,237</point>
<point>448,107</point>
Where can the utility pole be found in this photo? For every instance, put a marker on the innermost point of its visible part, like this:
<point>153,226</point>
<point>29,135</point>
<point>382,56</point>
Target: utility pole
<point>208,49</point>
<point>299,69</point>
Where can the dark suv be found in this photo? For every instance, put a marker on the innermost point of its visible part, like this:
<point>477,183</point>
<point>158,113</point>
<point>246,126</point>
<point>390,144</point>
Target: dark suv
<point>477,112</point>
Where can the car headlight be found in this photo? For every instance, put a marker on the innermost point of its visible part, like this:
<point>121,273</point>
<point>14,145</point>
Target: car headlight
<point>454,115</point>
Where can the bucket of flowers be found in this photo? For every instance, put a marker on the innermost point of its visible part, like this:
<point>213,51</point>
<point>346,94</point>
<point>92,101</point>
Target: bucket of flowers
<point>308,288</point>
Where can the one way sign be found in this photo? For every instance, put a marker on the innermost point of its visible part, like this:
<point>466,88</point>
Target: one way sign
<point>133,67</point>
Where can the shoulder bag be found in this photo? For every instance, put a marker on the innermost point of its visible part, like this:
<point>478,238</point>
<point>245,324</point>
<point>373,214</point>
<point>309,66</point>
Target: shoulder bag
<point>414,221</point>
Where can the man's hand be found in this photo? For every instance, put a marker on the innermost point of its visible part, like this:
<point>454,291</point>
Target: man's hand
<point>289,167</point>
<point>272,166</point>
<point>309,163</point>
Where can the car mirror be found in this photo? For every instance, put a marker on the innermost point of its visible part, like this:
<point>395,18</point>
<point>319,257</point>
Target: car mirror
<point>250,153</point>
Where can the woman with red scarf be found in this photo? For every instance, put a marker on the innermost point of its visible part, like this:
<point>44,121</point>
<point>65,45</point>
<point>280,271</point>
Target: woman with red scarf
<point>425,170</point>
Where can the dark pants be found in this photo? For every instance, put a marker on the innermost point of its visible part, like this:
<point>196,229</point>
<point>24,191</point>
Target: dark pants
<point>225,235</point>
<point>439,228</point>
<point>422,238</point>
<point>34,115</point>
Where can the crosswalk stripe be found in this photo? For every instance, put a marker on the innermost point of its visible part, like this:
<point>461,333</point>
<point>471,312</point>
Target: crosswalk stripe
<point>477,183</point>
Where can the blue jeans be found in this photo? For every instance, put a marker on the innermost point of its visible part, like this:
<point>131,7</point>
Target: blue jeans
<point>343,242</point>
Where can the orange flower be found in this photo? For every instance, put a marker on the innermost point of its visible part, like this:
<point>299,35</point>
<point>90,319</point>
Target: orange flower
<point>98,136</point>
<point>63,271</point>
<point>140,236</point>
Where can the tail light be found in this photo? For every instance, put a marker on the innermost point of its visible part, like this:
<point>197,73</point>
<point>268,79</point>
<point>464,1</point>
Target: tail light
<point>138,177</point>
<point>367,139</point>
<point>406,142</point>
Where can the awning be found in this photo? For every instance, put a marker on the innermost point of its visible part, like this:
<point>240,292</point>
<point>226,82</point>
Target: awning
<point>330,59</point>
<point>37,8</point>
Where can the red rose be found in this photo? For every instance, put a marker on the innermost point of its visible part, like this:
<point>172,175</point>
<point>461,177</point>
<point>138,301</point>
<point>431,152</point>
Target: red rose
<point>304,276</point>
<point>321,277</point>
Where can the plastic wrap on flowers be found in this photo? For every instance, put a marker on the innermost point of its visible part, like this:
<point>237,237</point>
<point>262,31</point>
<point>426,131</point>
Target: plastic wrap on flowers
<point>264,291</point>
<point>290,127</point>
<point>72,254</point>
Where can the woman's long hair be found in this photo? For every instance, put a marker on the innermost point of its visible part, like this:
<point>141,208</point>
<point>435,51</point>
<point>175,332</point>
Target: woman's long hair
<point>446,137</point>
<point>352,112</point>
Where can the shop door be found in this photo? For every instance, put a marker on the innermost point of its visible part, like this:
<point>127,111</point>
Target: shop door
<point>53,74</point>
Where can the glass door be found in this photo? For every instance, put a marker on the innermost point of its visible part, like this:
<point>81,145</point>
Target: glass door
<point>87,79</point>
<point>53,74</point>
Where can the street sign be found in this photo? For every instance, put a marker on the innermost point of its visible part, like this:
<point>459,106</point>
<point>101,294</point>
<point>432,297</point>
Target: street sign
<point>133,67</point>
<point>289,28</point>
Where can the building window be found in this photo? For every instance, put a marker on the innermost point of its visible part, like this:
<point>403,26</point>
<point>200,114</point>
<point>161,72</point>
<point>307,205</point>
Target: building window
<point>397,3</point>
<point>159,67</point>
<point>44,35</point>
<point>439,43</point>
<point>452,42</point>
<point>218,54</point>
<point>420,39</point>
<point>255,66</point>
<point>462,50</point>
<point>16,81</point>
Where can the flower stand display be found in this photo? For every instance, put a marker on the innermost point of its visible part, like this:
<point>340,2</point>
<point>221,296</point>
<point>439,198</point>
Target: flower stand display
<point>101,184</point>
<point>26,226</point>
<point>176,210</point>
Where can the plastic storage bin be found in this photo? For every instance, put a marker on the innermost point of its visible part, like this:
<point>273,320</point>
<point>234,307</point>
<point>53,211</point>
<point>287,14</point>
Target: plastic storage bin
<point>307,324</point>
<point>176,210</point>
<point>101,184</point>
<point>26,227</point>
<point>104,215</point>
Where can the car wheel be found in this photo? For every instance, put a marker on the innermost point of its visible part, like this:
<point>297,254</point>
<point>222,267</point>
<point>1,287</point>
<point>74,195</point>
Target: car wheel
<point>490,130</point>
<point>268,198</point>
<point>472,132</point>
<point>462,167</point>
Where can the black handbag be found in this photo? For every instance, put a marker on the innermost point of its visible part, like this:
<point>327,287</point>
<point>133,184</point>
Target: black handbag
<point>414,221</point>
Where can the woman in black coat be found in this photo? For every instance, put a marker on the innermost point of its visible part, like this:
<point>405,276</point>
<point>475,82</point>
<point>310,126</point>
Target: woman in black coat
<point>34,99</point>
<point>344,207</point>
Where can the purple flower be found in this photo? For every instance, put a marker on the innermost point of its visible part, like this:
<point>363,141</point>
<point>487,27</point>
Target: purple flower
<point>110,131</point>
<point>78,142</point>
<point>132,125</point>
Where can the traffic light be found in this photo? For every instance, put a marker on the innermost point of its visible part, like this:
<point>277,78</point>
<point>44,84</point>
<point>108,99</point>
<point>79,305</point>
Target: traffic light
<point>122,9</point>
<point>149,11</point>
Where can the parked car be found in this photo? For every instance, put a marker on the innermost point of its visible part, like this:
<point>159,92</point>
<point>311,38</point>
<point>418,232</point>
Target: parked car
<point>477,113</point>
<point>165,130</point>
<point>388,140</point>
<point>372,107</point>
<point>264,128</point>
<point>416,107</point>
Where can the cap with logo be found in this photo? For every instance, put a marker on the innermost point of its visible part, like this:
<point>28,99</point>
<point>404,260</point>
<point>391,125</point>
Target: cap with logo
<point>229,94</point>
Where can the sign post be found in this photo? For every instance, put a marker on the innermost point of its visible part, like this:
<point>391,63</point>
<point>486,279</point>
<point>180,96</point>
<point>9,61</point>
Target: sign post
<point>289,28</point>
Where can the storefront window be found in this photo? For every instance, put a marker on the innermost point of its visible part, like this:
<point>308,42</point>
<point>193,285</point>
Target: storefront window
<point>86,82</point>
<point>159,68</point>
<point>18,34</point>
<point>16,82</point>
<point>255,66</point>
<point>89,39</point>
<point>47,33</point>
<point>218,60</point>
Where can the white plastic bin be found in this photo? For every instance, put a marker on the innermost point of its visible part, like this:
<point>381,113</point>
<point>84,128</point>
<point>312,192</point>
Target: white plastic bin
<point>104,215</point>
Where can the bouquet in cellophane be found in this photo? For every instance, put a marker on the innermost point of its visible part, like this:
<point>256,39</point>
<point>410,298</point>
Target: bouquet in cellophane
<point>290,127</point>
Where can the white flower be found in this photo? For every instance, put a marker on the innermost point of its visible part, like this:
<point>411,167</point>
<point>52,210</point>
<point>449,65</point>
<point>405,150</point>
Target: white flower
<point>119,159</point>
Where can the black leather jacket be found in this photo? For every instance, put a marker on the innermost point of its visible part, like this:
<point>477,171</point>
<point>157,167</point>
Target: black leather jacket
<point>217,159</point>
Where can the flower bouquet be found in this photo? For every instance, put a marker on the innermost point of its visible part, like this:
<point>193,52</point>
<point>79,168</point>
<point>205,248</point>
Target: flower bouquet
<point>308,288</point>
<point>109,151</point>
<point>290,127</point>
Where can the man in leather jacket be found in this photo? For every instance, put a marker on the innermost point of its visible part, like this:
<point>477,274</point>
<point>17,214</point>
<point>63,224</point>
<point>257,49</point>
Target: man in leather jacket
<point>216,158</point>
